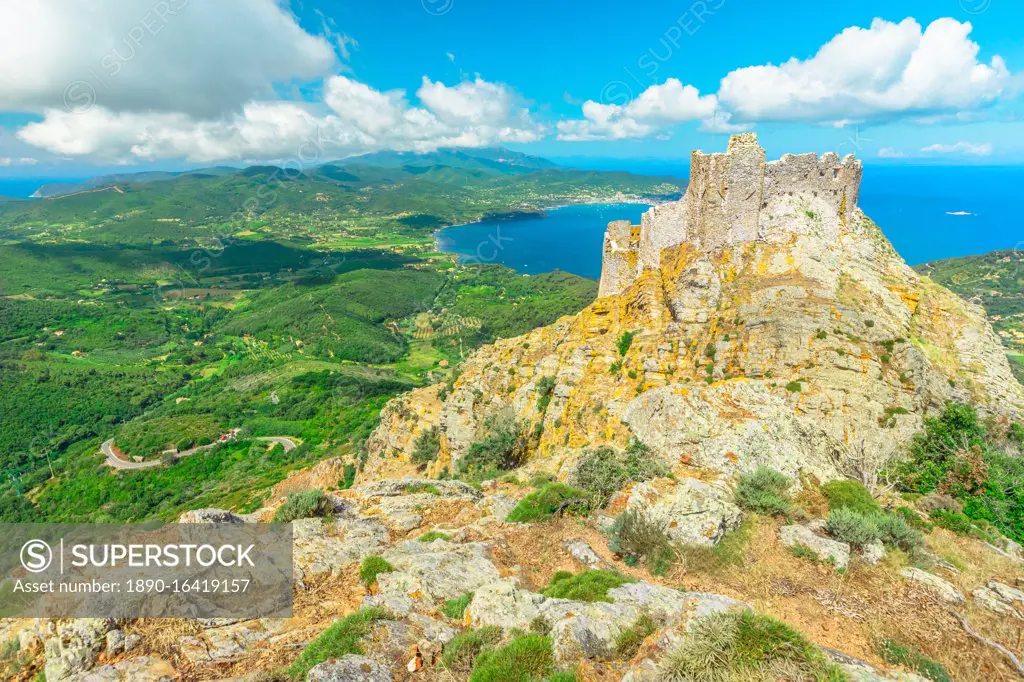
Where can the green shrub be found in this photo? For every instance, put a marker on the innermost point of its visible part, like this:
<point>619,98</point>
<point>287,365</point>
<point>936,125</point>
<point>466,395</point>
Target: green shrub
<point>454,608</point>
<point>545,388</point>
<point>913,518</point>
<point>373,566</point>
<point>604,471</point>
<point>765,491</point>
<point>850,495</point>
<point>628,643</point>
<point>426,448</point>
<point>505,446</point>
<point>963,525</point>
<point>460,654</point>
<point>341,639</point>
<point>747,647</point>
<point>428,488</point>
<point>526,658</point>
<point>305,504</point>
<point>432,535</point>
<point>909,656</point>
<point>1015,434</point>
<point>348,476</point>
<point>586,586</point>
<point>551,499</point>
<point>847,525</point>
<point>793,387</point>
<point>894,531</point>
<point>625,341</point>
<point>636,537</point>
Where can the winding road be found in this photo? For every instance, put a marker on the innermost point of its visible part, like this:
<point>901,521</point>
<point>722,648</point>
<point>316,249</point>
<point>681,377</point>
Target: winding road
<point>116,462</point>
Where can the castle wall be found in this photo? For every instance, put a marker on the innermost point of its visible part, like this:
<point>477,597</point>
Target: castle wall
<point>619,257</point>
<point>826,178</point>
<point>722,205</point>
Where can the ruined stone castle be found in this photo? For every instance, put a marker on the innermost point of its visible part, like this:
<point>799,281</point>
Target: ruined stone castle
<point>723,205</point>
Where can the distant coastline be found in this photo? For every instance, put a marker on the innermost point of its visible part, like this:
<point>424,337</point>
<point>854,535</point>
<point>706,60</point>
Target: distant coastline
<point>566,238</point>
<point>541,212</point>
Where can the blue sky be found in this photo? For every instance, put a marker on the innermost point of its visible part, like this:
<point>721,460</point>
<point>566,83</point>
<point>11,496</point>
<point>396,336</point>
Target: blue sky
<point>123,85</point>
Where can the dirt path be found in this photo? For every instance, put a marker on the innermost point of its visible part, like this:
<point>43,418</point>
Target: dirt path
<point>116,462</point>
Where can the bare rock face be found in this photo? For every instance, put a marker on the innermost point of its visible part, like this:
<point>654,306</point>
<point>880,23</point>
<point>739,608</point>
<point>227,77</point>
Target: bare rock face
<point>769,322</point>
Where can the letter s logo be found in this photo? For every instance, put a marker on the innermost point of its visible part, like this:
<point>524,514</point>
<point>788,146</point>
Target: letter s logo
<point>36,556</point>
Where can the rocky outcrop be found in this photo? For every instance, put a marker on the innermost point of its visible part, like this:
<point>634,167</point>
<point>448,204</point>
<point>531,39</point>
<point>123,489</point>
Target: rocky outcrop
<point>832,551</point>
<point>350,668</point>
<point>1000,598</point>
<point>588,630</point>
<point>690,511</point>
<point>209,515</point>
<point>74,648</point>
<point>761,319</point>
<point>941,588</point>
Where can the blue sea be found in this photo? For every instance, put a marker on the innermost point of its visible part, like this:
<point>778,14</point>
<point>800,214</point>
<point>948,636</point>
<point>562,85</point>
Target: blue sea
<point>912,205</point>
<point>22,188</point>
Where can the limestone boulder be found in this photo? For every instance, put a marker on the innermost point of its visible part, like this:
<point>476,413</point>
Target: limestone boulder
<point>435,572</point>
<point>691,512</point>
<point>320,547</point>
<point>833,551</point>
<point>940,587</point>
<point>75,646</point>
<point>503,604</point>
<point>583,553</point>
<point>350,668</point>
<point>873,552</point>
<point>1001,598</point>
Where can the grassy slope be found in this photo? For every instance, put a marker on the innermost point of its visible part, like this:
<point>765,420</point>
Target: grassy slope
<point>115,322</point>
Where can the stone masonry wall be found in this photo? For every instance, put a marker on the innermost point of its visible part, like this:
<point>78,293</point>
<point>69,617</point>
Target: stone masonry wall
<point>722,205</point>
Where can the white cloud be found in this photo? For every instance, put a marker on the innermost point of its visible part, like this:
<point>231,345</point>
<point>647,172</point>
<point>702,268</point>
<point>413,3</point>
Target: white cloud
<point>359,119</point>
<point>882,72</point>
<point>721,123</point>
<point>891,153</point>
<point>657,107</point>
<point>155,79</point>
<point>201,58</point>
<point>7,161</point>
<point>965,148</point>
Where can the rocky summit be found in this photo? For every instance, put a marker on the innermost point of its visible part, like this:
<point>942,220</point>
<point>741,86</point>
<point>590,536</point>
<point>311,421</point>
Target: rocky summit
<point>762,319</point>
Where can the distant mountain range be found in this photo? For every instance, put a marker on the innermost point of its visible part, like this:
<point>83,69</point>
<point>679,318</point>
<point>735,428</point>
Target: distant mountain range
<point>401,192</point>
<point>63,189</point>
<point>478,162</point>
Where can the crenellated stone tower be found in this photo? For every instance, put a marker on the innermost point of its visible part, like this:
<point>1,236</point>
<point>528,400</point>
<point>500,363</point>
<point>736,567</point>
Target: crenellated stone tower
<point>723,205</point>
